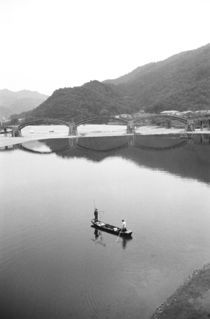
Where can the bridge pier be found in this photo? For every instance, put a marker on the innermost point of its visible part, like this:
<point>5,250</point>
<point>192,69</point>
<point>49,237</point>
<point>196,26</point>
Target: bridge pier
<point>206,124</point>
<point>72,129</point>
<point>168,124</point>
<point>130,127</point>
<point>16,132</point>
<point>190,126</point>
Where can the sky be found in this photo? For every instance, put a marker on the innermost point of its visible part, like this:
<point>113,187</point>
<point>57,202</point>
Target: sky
<point>50,44</point>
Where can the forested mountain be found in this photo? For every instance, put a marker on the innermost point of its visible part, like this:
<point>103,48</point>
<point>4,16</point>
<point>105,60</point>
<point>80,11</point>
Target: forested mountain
<point>16,102</point>
<point>181,82</point>
<point>92,98</point>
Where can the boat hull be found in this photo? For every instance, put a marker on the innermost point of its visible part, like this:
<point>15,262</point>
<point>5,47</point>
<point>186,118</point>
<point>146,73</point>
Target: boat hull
<point>111,229</point>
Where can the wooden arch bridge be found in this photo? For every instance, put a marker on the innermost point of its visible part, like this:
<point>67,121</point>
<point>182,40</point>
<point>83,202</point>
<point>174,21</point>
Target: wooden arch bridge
<point>131,123</point>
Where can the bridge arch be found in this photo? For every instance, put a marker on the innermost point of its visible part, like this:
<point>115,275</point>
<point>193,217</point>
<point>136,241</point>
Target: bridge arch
<point>102,118</point>
<point>42,121</point>
<point>128,122</point>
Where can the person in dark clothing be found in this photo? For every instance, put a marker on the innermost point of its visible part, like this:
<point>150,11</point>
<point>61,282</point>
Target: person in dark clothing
<point>96,214</point>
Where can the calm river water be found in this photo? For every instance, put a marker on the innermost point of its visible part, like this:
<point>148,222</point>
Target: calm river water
<point>53,265</point>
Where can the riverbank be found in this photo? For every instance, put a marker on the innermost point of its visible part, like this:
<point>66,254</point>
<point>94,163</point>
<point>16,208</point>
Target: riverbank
<point>190,301</point>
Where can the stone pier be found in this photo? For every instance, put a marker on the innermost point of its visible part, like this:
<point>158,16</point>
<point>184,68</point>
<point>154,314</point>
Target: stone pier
<point>72,129</point>
<point>190,126</point>
<point>130,127</point>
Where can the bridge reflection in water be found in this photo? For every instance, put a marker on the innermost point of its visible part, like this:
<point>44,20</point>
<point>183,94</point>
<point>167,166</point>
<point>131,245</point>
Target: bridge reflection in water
<point>188,157</point>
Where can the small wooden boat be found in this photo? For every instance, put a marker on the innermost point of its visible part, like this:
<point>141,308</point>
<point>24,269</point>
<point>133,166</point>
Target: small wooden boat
<point>111,229</point>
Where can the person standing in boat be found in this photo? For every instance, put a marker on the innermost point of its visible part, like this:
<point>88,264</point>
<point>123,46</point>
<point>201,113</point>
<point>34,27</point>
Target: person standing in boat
<point>96,214</point>
<point>123,225</point>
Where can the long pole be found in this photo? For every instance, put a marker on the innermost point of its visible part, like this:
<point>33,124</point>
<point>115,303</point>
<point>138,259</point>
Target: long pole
<point>119,235</point>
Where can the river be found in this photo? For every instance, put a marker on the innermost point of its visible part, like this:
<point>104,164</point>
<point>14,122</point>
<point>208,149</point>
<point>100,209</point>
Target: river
<point>54,265</point>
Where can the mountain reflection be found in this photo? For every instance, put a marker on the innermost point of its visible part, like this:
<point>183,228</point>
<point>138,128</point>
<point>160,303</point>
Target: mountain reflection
<point>187,156</point>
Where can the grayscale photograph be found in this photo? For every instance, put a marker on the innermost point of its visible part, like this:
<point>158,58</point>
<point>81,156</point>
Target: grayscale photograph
<point>104,159</point>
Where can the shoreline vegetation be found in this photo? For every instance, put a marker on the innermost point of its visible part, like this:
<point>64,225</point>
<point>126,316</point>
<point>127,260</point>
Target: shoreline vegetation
<point>190,301</point>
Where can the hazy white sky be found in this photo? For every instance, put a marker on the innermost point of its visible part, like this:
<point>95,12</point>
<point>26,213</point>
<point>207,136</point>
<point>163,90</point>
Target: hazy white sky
<point>48,44</point>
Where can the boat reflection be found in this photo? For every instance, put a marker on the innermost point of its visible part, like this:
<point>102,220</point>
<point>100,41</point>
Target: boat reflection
<point>124,241</point>
<point>98,238</point>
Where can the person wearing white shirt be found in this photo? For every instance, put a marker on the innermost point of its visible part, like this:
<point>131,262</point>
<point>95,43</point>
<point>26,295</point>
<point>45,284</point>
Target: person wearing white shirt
<point>124,225</point>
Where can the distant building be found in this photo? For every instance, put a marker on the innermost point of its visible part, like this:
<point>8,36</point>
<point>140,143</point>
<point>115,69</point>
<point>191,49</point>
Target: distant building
<point>202,112</point>
<point>171,112</point>
<point>124,116</point>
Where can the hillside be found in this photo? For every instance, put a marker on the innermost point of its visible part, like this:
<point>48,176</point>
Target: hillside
<point>180,82</point>
<point>93,98</point>
<point>17,102</point>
